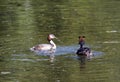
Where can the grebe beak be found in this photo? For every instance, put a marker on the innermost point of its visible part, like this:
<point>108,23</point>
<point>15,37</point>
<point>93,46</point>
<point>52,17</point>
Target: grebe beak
<point>58,39</point>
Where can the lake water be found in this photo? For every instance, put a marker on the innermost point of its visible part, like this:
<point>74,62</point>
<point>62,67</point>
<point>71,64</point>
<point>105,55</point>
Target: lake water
<point>25,23</point>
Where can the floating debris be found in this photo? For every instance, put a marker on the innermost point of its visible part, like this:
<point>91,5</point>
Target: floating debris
<point>112,31</point>
<point>5,72</point>
<point>111,42</point>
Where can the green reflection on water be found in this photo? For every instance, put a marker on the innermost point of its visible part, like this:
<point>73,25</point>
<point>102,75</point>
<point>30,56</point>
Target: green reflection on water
<point>26,23</point>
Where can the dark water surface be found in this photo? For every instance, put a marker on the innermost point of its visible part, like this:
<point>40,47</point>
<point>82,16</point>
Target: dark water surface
<point>25,23</point>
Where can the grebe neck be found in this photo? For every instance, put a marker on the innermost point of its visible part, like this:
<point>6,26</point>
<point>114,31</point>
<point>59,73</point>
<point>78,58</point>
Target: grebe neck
<point>52,43</point>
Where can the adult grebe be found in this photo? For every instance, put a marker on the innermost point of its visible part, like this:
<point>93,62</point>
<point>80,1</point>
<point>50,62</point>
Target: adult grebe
<point>44,47</point>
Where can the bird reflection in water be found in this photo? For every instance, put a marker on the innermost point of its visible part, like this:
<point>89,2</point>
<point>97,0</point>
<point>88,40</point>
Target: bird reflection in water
<point>82,61</point>
<point>52,55</point>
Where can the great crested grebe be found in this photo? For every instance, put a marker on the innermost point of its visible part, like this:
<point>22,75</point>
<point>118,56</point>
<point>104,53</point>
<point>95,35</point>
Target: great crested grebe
<point>84,51</point>
<point>44,47</point>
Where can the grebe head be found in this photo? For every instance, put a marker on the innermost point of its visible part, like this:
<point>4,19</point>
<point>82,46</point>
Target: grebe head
<point>50,37</point>
<point>81,41</point>
<point>81,37</point>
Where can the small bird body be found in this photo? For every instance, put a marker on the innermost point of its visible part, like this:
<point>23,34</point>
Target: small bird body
<point>83,51</point>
